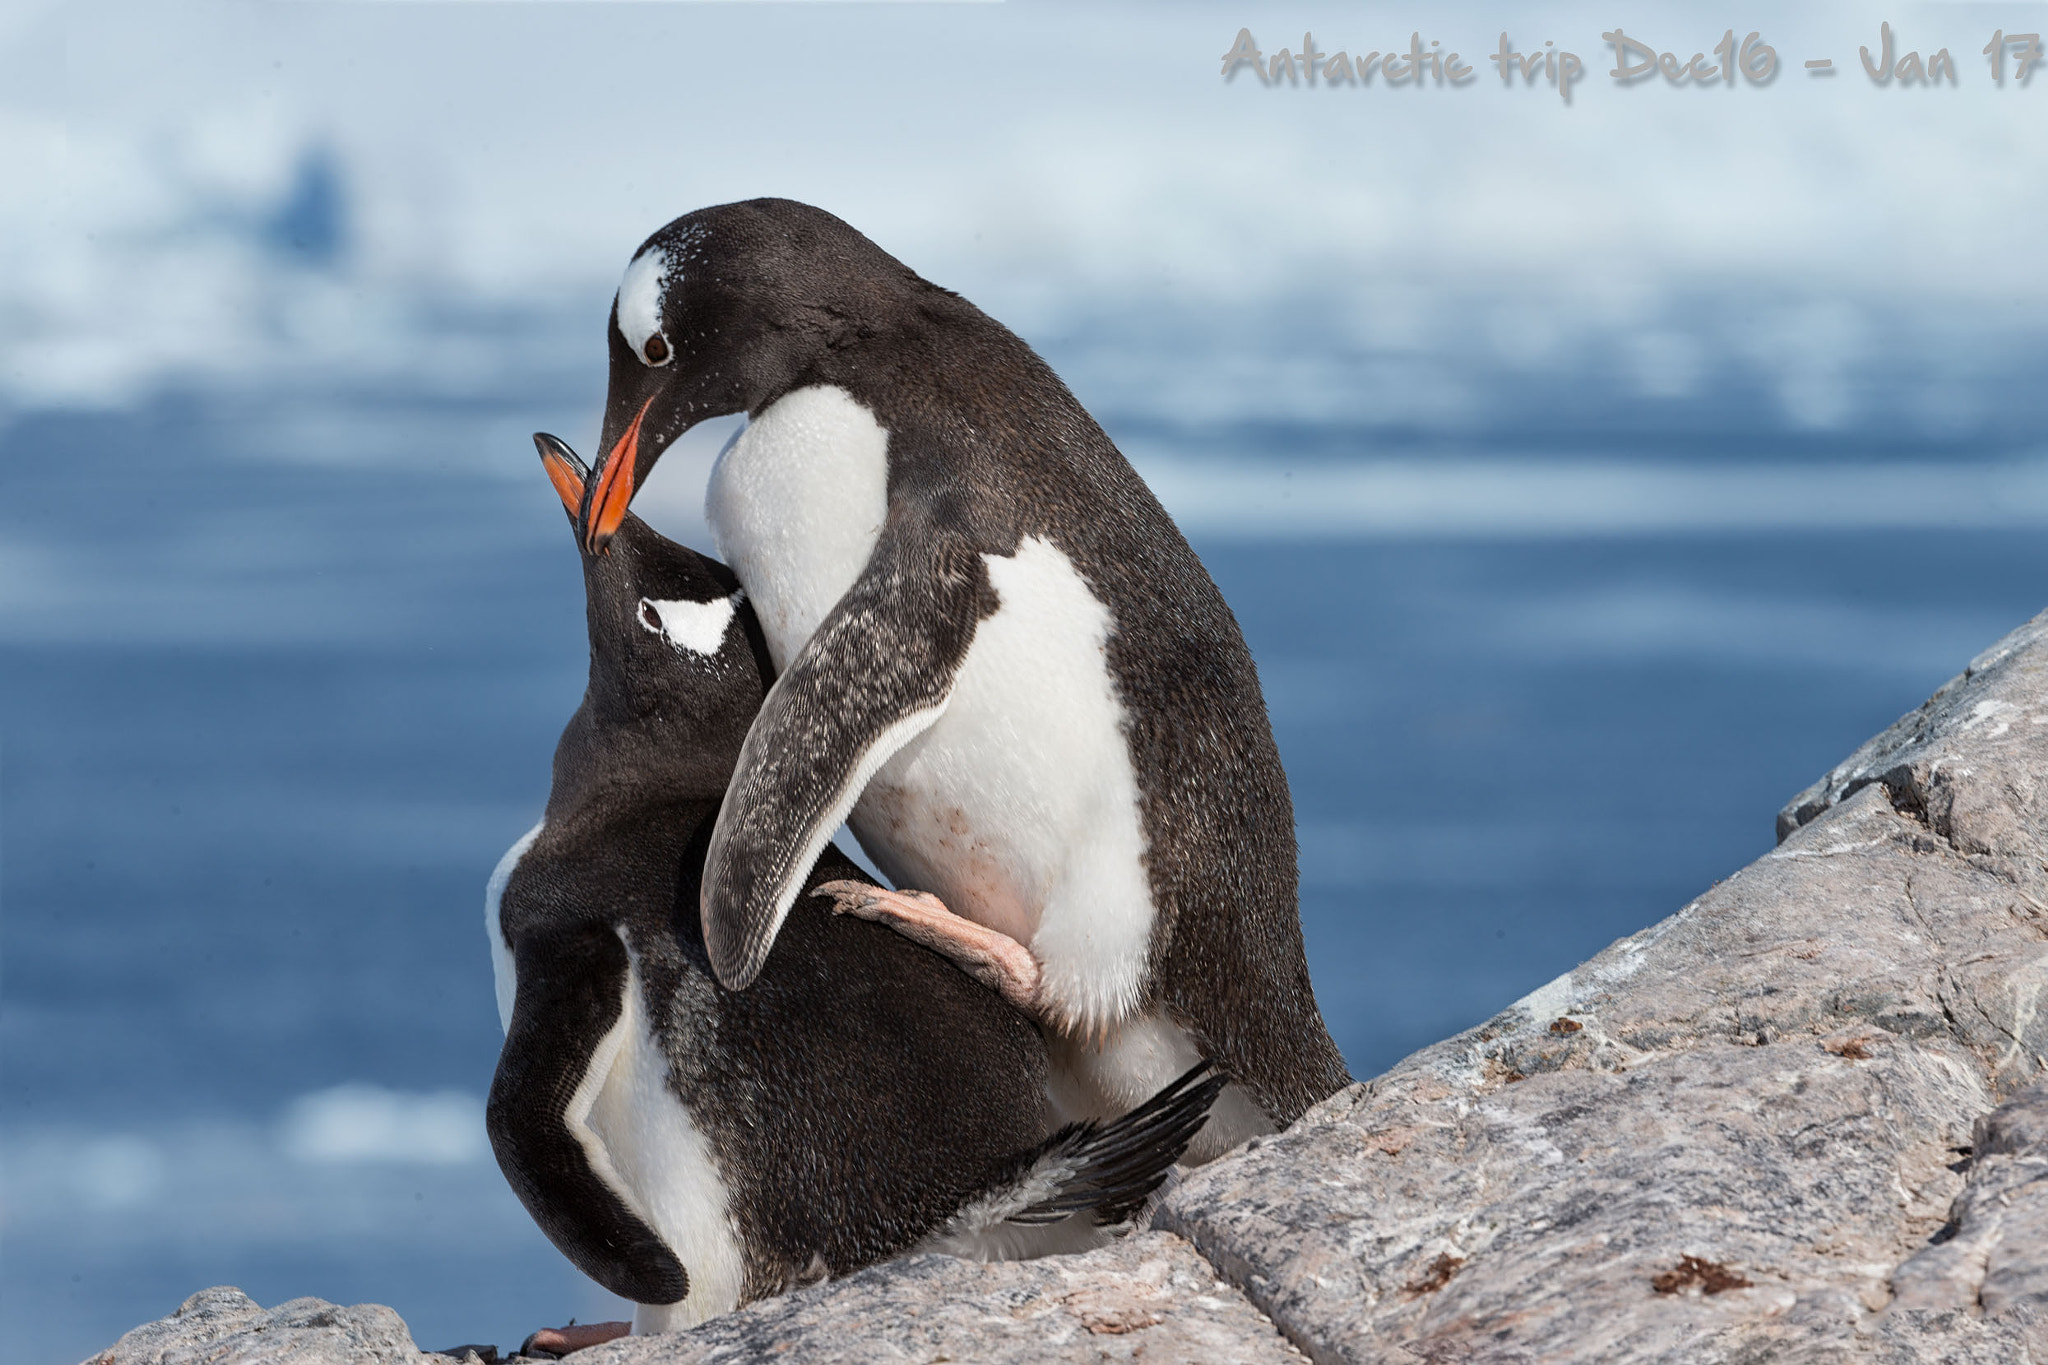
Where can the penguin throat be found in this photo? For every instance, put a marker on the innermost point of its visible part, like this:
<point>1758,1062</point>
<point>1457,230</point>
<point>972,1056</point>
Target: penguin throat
<point>606,772</point>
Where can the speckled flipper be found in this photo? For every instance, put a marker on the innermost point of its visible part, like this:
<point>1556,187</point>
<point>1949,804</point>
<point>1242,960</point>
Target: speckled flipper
<point>875,675</point>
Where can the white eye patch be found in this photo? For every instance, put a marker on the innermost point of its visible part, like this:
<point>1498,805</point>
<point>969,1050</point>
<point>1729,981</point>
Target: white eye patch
<point>698,627</point>
<point>640,303</point>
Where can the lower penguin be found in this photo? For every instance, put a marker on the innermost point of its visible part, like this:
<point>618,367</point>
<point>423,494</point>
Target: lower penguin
<point>693,1148</point>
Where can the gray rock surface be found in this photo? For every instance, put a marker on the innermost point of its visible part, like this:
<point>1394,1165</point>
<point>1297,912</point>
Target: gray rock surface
<point>1800,1120</point>
<point>1993,1251</point>
<point>1719,1138</point>
<point>227,1327</point>
<point>1146,1298</point>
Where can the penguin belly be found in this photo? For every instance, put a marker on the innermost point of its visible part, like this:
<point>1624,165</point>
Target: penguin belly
<point>1019,806</point>
<point>1020,810</point>
<point>642,1140</point>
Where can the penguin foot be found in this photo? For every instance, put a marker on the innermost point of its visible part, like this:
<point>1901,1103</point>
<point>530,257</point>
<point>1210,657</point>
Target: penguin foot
<point>996,960</point>
<point>560,1341</point>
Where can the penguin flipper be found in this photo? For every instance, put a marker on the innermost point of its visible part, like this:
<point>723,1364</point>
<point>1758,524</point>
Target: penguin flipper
<point>565,1029</point>
<point>1109,1169</point>
<point>877,673</point>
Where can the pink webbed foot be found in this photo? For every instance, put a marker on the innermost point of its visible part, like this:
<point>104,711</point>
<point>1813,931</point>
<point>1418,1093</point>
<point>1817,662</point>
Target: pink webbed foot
<point>560,1341</point>
<point>994,959</point>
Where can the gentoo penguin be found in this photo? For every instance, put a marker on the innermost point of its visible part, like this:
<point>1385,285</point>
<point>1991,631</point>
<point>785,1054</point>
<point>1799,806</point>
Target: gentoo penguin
<point>691,1147</point>
<point>1000,661</point>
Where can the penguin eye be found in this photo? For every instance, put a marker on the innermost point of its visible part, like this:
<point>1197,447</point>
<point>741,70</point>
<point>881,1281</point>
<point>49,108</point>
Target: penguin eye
<point>655,349</point>
<point>649,617</point>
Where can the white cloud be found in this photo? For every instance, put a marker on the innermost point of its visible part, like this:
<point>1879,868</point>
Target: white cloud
<point>367,1123</point>
<point>116,1171</point>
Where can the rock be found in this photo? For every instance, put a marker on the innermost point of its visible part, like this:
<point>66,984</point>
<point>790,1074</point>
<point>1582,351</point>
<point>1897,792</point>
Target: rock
<point>226,1327</point>
<point>1993,1251</point>
<point>1148,1297</point>
<point>1802,1120</point>
<point>1906,759</point>
<point>1718,1138</point>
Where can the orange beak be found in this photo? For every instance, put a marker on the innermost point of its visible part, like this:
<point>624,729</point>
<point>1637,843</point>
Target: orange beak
<point>614,492</point>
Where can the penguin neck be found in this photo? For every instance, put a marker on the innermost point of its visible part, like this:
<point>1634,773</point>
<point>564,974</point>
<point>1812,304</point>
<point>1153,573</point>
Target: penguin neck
<point>608,772</point>
<point>836,337</point>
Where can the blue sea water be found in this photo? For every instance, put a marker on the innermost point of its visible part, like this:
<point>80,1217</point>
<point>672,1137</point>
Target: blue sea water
<point>279,683</point>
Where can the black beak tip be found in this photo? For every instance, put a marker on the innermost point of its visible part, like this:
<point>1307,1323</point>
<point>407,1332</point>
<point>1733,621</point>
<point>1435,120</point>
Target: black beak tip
<point>547,445</point>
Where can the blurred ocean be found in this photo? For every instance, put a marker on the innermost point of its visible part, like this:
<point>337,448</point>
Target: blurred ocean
<point>270,717</point>
<point>1587,480</point>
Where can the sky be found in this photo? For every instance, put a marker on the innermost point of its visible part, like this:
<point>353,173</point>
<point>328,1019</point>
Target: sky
<point>241,191</point>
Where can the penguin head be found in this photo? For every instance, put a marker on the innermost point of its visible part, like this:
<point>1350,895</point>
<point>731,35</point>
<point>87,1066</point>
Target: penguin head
<point>678,664</point>
<point>723,311</point>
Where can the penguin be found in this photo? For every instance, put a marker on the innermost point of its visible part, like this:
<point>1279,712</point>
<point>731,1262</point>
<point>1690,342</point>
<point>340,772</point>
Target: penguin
<point>691,1147</point>
<point>1000,662</point>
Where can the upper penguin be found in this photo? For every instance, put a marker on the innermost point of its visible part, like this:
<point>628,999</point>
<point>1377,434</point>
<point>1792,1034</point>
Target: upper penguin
<point>1000,661</point>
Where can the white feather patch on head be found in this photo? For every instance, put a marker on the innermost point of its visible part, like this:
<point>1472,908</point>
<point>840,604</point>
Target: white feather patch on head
<point>698,627</point>
<point>640,299</point>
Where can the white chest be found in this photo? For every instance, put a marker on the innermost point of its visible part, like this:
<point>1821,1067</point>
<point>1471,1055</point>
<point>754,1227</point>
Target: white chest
<point>796,503</point>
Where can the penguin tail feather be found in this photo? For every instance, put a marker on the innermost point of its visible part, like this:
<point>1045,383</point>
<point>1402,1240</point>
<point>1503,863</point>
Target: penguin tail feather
<point>1111,1168</point>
